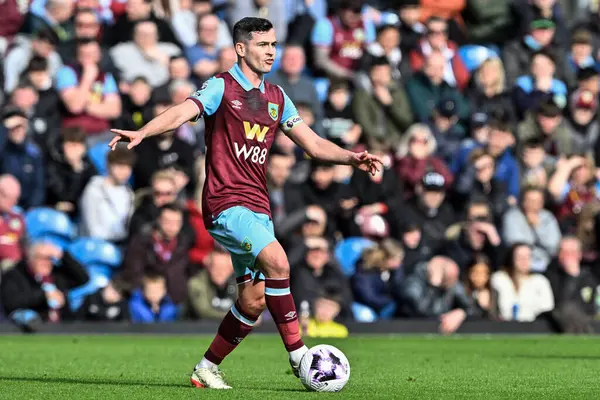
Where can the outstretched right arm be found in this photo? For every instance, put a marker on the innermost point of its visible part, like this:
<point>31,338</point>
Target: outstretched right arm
<point>203,102</point>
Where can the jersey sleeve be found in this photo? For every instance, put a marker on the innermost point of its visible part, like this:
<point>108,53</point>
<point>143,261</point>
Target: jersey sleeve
<point>322,33</point>
<point>208,98</point>
<point>289,117</point>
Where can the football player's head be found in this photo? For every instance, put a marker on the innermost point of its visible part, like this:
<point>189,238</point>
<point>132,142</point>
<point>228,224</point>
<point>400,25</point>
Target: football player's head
<point>255,41</point>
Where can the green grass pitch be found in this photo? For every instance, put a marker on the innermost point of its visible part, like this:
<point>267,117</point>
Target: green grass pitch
<point>383,367</point>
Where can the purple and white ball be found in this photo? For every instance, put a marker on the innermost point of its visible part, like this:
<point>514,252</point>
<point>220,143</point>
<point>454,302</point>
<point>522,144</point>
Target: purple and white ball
<point>324,368</point>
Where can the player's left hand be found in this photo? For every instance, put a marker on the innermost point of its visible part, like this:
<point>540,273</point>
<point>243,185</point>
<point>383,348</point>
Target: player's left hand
<point>134,137</point>
<point>367,162</point>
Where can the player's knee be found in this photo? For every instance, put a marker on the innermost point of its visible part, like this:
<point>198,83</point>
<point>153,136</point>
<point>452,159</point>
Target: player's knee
<point>255,305</point>
<point>279,267</point>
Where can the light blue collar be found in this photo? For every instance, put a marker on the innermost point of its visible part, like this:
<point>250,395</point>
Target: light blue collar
<point>239,76</point>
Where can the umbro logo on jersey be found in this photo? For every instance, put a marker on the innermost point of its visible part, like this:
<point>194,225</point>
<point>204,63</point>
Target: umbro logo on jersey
<point>236,104</point>
<point>291,315</point>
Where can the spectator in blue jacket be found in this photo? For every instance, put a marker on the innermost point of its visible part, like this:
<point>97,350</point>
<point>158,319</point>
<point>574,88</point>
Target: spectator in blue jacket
<point>501,139</point>
<point>151,303</point>
<point>21,158</point>
<point>376,281</point>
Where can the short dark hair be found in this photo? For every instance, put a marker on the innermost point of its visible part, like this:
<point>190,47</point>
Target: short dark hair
<point>549,54</point>
<point>242,30</point>
<point>170,207</point>
<point>48,35</point>
<point>121,156</point>
<point>72,135</point>
<point>37,64</point>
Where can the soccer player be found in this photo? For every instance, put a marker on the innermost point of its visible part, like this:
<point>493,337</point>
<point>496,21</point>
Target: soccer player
<point>242,115</point>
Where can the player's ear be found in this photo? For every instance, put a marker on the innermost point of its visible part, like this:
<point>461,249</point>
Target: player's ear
<point>240,49</point>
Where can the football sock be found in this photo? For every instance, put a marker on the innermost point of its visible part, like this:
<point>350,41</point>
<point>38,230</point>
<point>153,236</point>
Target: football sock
<point>233,329</point>
<point>283,310</point>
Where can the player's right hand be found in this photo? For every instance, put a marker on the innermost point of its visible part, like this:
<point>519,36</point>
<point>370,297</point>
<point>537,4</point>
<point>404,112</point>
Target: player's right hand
<point>134,138</point>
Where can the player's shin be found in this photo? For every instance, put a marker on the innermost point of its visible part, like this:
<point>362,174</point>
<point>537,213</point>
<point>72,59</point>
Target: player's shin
<point>281,306</point>
<point>236,325</point>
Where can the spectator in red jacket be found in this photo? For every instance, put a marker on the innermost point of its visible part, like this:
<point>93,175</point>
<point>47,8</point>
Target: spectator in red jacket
<point>415,158</point>
<point>204,243</point>
<point>436,39</point>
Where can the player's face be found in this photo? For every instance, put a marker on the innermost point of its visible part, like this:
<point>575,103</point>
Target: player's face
<point>259,52</point>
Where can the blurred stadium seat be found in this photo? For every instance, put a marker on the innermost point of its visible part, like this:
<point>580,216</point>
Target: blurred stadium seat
<point>474,55</point>
<point>363,313</point>
<point>49,225</point>
<point>348,251</point>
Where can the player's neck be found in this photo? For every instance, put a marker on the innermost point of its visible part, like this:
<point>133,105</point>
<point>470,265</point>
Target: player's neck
<point>253,77</point>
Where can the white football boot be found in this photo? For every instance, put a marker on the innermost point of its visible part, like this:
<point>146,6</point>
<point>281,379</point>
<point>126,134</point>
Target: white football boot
<point>209,378</point>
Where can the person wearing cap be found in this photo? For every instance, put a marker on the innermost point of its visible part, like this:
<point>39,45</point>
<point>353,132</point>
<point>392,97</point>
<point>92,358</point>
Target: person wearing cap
<point>339,41</point>
<point>429,210</point>
<point>479,135</point>
<point>43,44</point>
<point>588,78</point>
<point>530,89</point>
<point>547,122</point>
<point>382,110</point>
<point>582,120</point>
<point>518,53</point>
<point>446,129</point>
<point>21,158</point>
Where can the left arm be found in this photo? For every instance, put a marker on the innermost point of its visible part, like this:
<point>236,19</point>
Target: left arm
<point>319,148</point>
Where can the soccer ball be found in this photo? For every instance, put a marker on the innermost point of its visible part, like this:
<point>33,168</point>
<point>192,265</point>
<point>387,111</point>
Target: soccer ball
<point>324,368</point>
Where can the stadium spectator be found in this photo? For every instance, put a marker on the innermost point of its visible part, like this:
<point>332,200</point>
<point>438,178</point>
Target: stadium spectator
<point>213,290</point>
<point>160,249</point>
<point>429,210</point>
<point>163,191</point>
<point>55,16</point>
<point>68,171</point>
<point>582,121</point>
<point>185,24</point>
<point>581,48</point>
<point>415,157</point>
<point>275,11</point>
<point>12,15</point>
<point>536,165</point>
<point>36,284</point>
<point>376,282</point>
<point>572,186</point>
<point>528,11</point>
<point>382,110</point>
<point>411,28</point>
<point>89,95</point>
<point>105,305</point>
<point>204,243</point>
<point>138,11</point>
<point>414,251</point>
<point>488,22</point>
<point>428,86</point>
<point>434,291</point>
<point>137,105</point>
<point>589,79</point>
<point>489,92</point>
<point>535,226</point>
<point>12,225</point>
<point>339,41</point>
<point>21,158</point>
<point>107,201</point>
<point>317,276</point>
<point>43,45</point>
<point>436,41</point>
<point>151,303</point>
<point>574,287</point>
<point>164,152</point>
<point>446,129</point>
<point>388,46</point>
<point>145,55</point>
<point>298,87</point>
<point>501,139</point>
<point>478,286</point>
<point>45,115</point>
<point>203,55</point>
<point>531,89</point>
<point>340,124</point>
<point>477,181</point>
<point>547,123</point>
<point>25,97</point>
<point>477,237</point>
<point>87,26</point>
<point>520,294</point>
<point>518,54</point>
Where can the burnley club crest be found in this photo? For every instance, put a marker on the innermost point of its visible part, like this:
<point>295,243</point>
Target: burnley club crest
<point>274,111</point>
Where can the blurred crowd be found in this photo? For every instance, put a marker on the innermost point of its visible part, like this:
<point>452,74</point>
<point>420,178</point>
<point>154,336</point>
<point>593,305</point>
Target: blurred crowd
<point>486,114</point>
